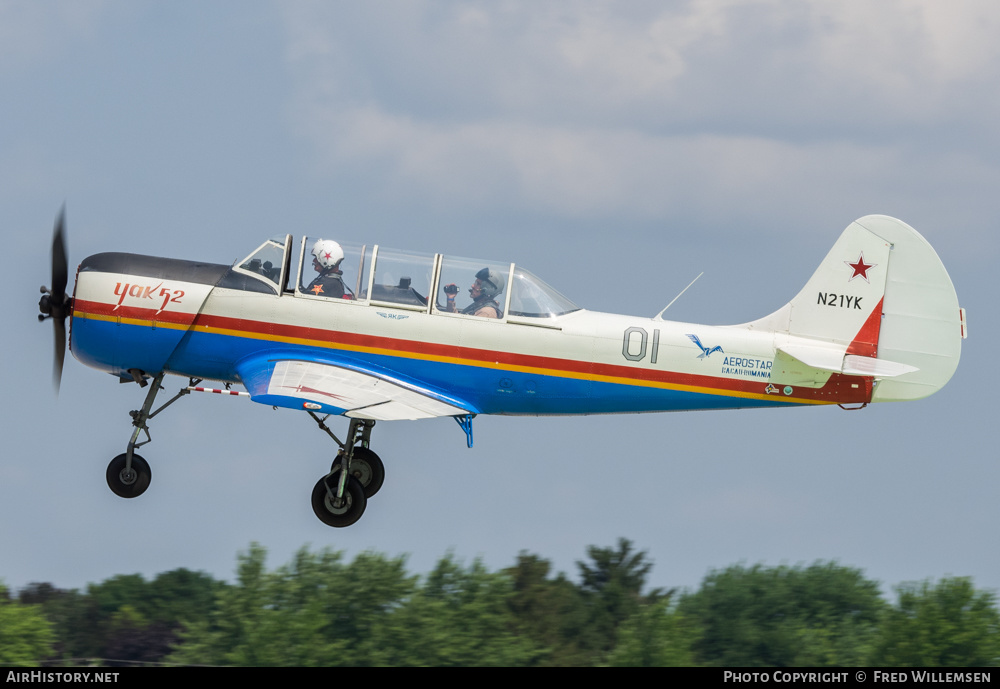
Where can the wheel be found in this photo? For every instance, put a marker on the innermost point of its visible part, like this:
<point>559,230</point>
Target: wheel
<point>354,501</point>
<point>367,468</point>
<point>129,484</point>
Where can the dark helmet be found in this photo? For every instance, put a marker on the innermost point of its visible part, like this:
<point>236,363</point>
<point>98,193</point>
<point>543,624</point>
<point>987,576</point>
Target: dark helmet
<point>491,283</point>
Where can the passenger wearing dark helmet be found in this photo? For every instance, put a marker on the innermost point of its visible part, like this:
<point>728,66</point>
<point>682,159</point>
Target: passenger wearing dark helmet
<point>488,284</point>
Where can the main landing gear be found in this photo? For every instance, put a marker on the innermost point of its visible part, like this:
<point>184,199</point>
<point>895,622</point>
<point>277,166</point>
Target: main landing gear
<point>339,498</point>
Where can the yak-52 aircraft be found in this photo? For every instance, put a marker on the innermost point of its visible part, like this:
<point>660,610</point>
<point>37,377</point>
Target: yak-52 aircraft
<point>373,334</point>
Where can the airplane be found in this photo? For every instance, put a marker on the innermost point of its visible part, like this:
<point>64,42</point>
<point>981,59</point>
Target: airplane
<point>377,334</point>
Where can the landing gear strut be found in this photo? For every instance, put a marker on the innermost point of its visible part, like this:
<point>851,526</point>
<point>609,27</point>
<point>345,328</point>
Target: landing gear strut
<point>129,474</point>
<point>339,498</point>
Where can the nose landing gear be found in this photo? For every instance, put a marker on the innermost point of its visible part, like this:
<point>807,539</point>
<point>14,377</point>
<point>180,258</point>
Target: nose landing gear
<point>129,474</point>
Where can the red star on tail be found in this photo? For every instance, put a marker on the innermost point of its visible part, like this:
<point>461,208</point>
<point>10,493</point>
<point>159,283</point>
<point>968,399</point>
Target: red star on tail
<point>860,268</point>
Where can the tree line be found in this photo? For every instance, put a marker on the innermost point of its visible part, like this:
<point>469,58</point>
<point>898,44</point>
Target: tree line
<point>320,609</point>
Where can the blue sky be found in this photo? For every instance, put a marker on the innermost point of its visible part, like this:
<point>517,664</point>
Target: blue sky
<point>616,150</point>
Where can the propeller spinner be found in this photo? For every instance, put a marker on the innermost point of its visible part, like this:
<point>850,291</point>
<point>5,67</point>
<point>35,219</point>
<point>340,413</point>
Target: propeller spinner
<point>55,303</point>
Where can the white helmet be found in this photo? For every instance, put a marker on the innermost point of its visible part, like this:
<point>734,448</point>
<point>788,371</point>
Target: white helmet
<point>327,253</point>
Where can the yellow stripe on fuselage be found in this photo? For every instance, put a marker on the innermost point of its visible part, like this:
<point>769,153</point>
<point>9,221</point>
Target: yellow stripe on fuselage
<point>558,373</point>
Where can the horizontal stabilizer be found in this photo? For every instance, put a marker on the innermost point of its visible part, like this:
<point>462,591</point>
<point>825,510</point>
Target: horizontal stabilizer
<point>823,358</point>
<point>879,368</point>
<point>837,360</point>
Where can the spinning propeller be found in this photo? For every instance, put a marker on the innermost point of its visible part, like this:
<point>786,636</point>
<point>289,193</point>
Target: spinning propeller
<point>55,303</point>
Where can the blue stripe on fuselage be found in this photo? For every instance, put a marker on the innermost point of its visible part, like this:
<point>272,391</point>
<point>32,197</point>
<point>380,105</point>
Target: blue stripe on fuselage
<point>118,347</point>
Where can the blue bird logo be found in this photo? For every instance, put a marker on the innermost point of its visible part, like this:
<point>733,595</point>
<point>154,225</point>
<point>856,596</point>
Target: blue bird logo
<point>705,351</point>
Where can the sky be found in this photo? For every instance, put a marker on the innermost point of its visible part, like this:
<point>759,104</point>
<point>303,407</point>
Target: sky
<point>616,150</point>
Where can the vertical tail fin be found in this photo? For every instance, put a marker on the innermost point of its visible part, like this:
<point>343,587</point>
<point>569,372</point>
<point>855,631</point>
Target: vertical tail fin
<point>884,297</point>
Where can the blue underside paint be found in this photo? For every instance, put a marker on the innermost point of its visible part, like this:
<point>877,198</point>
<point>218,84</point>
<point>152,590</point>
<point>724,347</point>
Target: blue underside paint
<point>118,347</point>
<point>296,403</point>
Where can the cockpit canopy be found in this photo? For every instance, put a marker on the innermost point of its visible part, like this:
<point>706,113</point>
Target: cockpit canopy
<point>405,279</point>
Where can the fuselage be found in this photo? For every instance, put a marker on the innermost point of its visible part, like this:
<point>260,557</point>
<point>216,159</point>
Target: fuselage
<point>144,314</point>
<point>377,334</point>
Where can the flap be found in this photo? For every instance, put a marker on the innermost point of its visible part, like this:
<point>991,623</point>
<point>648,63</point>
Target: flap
<point>343,388</point>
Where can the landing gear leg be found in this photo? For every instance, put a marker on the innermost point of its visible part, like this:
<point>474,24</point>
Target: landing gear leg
<point>362,462</point>
<point>128,474</point>
<point>334,501</point>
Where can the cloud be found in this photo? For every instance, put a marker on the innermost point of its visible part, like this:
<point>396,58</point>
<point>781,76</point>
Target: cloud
<point>643,63</point>
<point>584,172</point>
<point>712,109</point>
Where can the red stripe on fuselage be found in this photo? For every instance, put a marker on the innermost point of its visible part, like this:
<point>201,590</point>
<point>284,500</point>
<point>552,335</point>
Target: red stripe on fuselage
<point>99,308</point>
<point>838,389</point>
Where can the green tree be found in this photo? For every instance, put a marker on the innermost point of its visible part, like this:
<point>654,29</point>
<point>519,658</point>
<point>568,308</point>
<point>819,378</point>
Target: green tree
<point>611,585</point>
<point>461,616</point>
<point>261,620</point>
<point>948,624</point>
<point>375,588</point>
<point>138,620</point>
<point>823,614</point>
<point>129,638</point>
<point>26,637</point>
<point>179,595</point>
<point>124,618</point>
<point>655,636</point>
<point>71,616</point>
<point>315,611</point>
<point>550,612</point>
<point>37,593</point>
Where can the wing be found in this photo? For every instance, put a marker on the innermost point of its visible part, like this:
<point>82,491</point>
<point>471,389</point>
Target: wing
<point>355,390</point>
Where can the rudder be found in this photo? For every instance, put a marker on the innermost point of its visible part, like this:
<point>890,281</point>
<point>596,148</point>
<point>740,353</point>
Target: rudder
<point>922,323</point>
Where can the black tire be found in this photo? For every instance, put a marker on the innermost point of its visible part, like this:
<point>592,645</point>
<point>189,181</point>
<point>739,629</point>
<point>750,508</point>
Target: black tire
<point>348,513</point>
<point>368,469</point>
<point>128,485</point>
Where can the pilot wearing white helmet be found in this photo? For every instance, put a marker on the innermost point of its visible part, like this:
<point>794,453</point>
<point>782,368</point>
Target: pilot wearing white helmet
<point>327,255</point>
